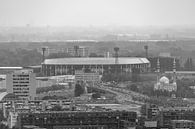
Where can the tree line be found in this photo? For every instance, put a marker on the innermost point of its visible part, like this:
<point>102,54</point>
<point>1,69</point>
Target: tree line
<point>20,57</point>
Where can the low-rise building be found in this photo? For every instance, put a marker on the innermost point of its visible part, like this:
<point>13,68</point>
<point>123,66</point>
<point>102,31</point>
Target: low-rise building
<point>182,124</point>
<point>78,119</point>
<point>88,77</point>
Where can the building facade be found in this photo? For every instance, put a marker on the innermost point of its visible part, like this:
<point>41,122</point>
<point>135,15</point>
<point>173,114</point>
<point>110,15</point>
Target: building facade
<point>22,83</point>
<point>87,77</point>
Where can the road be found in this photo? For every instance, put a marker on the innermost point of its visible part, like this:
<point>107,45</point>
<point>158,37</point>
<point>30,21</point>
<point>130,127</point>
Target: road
<point>123,96</point>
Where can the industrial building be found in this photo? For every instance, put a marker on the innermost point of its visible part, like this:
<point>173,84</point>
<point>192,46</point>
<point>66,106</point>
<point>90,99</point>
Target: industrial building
<point>79,119</point>
<point>22,83</point>
<point>67,66</point>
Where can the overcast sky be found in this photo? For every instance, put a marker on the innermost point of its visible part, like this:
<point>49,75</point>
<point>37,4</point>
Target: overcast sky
<point>96,12</point>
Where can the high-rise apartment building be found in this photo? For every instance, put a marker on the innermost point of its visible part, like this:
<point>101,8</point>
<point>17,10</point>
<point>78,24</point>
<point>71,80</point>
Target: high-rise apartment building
<point>78,51</point>
<point>22,83</point>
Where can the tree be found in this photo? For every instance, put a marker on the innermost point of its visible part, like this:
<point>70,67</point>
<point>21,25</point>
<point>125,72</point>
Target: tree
<point>57,108</point>
<point>59,55</point>
<point>20,57</point>
<point>2,126</point>
<point>135,75</point>
<point>96,95</point>
<point>133,87</point>
<point>95,55</point>
<point>1,115</point>
<point>79,90</point>
<point>117,77</point>
<point>188,64</point>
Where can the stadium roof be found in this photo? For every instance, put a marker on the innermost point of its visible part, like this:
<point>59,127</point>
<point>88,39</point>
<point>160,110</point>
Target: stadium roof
<point>2,95</point>
<point>95,61</point>
<point>8,96</point>
<point>10,68</point>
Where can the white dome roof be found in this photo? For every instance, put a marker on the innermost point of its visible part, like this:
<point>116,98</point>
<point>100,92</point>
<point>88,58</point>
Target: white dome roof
<point>164,80</point>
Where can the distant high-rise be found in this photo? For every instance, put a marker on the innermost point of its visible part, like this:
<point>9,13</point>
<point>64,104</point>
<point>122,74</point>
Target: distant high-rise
<point>78,51</point>
<point>22,83</point>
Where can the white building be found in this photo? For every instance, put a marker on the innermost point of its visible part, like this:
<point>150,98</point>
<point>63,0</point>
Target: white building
<point>163,82</point>
<point>91,77</point>
<point>22,83</point>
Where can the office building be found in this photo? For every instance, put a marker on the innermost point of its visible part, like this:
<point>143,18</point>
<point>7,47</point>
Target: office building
<point>22,83</point>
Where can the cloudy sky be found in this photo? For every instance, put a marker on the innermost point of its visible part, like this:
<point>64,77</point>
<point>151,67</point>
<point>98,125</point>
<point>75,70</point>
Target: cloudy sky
<point>96,12</point>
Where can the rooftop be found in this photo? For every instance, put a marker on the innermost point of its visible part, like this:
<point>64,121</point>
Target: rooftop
<point>95,61</point>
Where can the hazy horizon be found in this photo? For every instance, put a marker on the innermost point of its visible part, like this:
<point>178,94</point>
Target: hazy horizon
<point>97,12</point>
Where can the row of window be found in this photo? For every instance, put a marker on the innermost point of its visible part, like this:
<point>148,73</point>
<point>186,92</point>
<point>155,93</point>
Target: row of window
<point>24,75</point>
<point>20,81</point>
<point>21,93</point>
<point>20,78</point>
<point>20,85</point>
<point>20,88</point>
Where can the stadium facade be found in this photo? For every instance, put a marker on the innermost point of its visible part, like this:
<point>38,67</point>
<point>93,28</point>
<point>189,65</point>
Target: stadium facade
<point>68,66</point>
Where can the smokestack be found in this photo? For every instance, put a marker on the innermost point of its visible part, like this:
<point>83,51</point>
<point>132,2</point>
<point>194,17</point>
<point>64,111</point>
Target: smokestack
<point>146,50</point>
<point>43,52</point>
<point>116,49</point>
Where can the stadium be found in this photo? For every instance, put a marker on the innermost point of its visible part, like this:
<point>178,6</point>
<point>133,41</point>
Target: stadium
<point>68,66</point>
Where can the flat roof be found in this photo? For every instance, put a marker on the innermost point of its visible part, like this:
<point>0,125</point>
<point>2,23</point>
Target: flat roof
<point>36,66</point>
<point>95,61</point>
<point>10,68</point>
<point>181,72</point>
